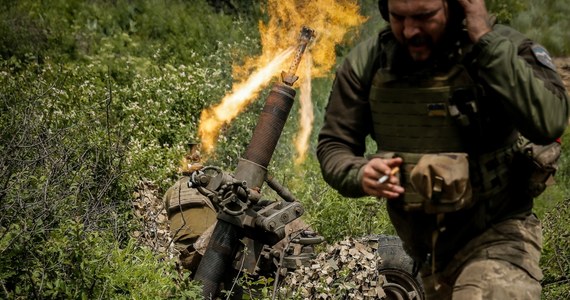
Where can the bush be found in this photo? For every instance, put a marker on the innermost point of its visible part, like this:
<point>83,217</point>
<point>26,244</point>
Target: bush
<point>553,207</point>
<point>505,11</point>
<point>80,127</point>
<point>550,31</point>
<point>555,261</point>
<point>63,269</point>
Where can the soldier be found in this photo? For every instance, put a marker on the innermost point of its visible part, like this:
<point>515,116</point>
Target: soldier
<point>448,95</point>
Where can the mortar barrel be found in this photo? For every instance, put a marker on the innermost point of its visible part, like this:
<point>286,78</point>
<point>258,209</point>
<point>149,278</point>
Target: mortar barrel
<point>266,135</point>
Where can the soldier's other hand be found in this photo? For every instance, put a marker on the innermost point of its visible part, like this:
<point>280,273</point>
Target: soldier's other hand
<point>374,170</point>
<point>477,18</point>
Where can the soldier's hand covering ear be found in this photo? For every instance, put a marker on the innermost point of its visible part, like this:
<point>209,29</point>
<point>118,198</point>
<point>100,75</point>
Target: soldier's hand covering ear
<point>375,169</point>
<point>476,17</point>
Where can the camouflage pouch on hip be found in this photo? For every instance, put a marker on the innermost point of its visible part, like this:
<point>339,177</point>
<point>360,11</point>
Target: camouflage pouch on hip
<point>539,164</point>
<point>442,180</point>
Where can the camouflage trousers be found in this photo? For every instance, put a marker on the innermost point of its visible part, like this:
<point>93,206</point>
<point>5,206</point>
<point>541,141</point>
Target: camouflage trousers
<point>501,263</point>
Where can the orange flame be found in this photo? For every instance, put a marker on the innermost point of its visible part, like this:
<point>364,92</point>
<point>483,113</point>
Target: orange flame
<point>213,119</point>
<point>331,20</point>
<point>305,113</point>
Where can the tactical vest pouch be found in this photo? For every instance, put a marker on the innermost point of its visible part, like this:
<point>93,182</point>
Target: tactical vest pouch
<point>434,183</point>
<point>442,181</point>
<point>539,164</point>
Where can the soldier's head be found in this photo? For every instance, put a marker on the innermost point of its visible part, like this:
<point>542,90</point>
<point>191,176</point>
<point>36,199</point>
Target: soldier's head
<point>421,25</point>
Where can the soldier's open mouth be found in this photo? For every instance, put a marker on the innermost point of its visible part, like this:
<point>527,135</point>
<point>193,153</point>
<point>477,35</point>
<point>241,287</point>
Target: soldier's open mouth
<point>417,48</point>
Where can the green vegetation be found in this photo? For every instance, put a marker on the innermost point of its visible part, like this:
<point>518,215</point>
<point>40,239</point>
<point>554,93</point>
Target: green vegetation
<point>95,95</point>
<point>546,21</point>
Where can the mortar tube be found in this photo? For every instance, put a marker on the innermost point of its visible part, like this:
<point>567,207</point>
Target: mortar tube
<point>219,255</point>
<point>252,169</point>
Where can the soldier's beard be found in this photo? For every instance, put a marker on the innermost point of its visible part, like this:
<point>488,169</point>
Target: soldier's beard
<point>420,47</point>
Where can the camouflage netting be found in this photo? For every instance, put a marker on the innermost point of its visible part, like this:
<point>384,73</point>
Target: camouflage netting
<point>347,269</point>
<point>149,209</point>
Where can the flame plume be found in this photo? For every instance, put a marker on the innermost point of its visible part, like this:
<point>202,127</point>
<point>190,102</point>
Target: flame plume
<point>331,20</point>
<point>305,113</point>
<point>232,104</point>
